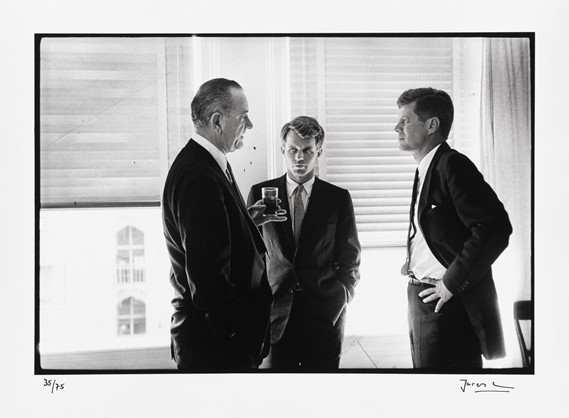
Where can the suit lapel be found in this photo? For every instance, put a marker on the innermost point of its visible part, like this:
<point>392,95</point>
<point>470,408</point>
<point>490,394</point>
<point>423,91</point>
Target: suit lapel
<point>313,207</point>
<point>204,154</point>
<point>235,188</point>
<point>444,147</point>
<point>286,225</point>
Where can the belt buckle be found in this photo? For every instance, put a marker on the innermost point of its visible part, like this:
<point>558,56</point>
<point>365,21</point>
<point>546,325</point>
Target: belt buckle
<point>413,280</point>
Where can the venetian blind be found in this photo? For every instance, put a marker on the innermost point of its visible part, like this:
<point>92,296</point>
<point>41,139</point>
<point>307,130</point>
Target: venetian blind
<point>111,117</point>
<point>351,86</point>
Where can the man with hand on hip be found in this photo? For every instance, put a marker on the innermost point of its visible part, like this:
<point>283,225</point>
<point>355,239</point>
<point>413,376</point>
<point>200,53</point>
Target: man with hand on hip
<point>458,228</point>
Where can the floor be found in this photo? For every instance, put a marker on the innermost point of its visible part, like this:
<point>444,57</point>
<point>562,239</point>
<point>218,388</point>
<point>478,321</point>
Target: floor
<point>385,352</point>
<point>369,352</point>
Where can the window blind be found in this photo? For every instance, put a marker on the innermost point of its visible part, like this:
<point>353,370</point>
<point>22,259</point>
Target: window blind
<point>351,86</point>
<point>110,109</point>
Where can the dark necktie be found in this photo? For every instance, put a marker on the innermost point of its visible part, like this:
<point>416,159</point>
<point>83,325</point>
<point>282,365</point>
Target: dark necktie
<point>228,173</point>
<point>231,178</point>
<point>257,237</point>
<point>298,211</point>
<point>412,227</point>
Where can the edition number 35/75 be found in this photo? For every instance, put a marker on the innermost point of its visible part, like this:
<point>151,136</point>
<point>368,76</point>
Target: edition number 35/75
<point>53,384</point>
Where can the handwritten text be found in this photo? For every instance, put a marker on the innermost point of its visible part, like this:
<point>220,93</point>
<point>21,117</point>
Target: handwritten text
<point>53,384</point>
<point>481,387</point>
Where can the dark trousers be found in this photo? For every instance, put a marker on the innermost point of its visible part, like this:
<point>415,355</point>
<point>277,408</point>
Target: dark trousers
<point>445,340</point>
<point>218,359</point>
<point>310,341</point>
<point>194,348</point>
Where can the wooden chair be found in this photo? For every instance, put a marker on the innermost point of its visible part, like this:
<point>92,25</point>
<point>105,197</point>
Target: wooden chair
<point>523,311</point>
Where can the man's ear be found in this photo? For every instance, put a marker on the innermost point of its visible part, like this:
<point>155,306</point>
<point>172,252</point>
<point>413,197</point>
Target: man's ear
<point>318,152</point>
<point>215,122</point>
<point>282,149</point>
<point>433,124</point>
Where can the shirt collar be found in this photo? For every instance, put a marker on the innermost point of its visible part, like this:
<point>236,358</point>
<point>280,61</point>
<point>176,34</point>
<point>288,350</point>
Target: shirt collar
<point>213,150</point>
<point>426,161</point>
<point>291,185</point>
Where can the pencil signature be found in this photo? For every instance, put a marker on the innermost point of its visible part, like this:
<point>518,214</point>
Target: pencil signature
<point>480,387</point>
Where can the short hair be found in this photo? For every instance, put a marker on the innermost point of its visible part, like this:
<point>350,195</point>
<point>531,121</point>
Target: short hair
<point>429,103</point>
<point>212,96</point>
<point>305,127</point>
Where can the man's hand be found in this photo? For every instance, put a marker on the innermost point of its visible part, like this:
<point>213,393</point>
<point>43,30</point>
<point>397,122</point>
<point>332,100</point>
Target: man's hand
<point>257,213</point>
<point>440,292</point>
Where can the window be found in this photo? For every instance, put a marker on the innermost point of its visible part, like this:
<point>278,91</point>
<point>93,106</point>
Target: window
<point>112,114</point>
<point>78,280</point>
<point>131,315</point>
<point>130,255</point>
<point>351,86</point>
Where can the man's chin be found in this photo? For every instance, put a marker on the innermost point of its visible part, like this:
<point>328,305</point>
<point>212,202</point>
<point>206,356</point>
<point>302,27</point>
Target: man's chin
<point>299,173</point>
<point>238,144</point>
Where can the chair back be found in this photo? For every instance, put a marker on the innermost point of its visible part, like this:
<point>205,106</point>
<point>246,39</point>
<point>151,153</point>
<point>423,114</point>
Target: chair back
<point>523,311</point>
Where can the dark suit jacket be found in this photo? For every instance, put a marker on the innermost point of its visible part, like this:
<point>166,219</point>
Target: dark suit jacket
<point>222,298</point>
<point>466,227</point>
<point>326,261</point>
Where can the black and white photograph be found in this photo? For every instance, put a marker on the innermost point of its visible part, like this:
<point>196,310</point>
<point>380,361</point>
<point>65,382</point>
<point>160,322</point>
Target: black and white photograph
<point>285,219</point>
<point>117,157</point>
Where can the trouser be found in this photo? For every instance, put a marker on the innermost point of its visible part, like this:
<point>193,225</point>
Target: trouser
<point>310,341</point>
<point>195,348</point>
<point>445,340</point>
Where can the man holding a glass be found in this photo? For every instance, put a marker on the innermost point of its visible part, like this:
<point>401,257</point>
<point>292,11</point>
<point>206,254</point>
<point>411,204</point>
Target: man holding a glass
<point>313,257</point>
<point>222,299</point>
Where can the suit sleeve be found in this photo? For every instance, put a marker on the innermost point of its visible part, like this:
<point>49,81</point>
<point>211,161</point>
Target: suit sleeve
<point>347,250</point>
<point>485,218</point>
<point>205,235</point>
<point>252,198</point>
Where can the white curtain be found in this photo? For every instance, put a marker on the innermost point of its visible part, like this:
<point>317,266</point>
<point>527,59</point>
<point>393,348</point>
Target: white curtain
<point>506,164</point>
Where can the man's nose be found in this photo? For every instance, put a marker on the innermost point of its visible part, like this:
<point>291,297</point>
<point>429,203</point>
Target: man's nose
<point>248,123</point>
<point>397,127</point>
<point>299,156</point>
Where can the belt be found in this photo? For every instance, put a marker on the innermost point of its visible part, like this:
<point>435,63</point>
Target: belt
<point>415,282</point>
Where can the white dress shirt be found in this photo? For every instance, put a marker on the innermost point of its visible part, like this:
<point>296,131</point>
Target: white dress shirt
<point>291,186</point>
<point>214,151</point>
<point>423,263</point>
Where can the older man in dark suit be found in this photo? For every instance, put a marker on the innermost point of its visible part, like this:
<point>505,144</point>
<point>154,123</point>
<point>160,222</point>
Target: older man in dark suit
<point>222,298</point>
<point>458,228</point>
<point>313,257</point>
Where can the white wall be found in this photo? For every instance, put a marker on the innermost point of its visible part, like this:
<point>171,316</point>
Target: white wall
<point>256,64</point>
